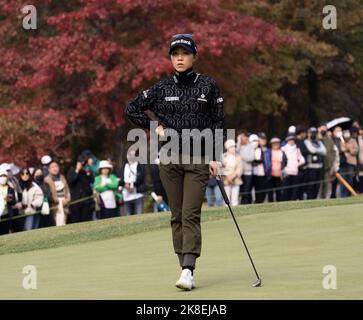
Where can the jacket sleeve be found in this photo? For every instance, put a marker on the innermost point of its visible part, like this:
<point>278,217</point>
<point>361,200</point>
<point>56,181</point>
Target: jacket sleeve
<point>97,186</point>
<point>72,176</point>
<point>248,154</point>
<point>52,193</point>
<point>38,198</point>
<point>121,182</point>
<point>135,109</point>
<point>11,193</point>
<point>67,192</point>
<point>217,115</point>
<point>140,176</point>
<point>284,160</point>
<point>239,168</point>
<point>301,158</point>
<point>113,185</point>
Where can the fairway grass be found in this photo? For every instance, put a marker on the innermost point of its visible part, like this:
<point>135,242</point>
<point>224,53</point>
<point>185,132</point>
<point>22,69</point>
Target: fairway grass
<point>289,243</point>
<point>124,226</point>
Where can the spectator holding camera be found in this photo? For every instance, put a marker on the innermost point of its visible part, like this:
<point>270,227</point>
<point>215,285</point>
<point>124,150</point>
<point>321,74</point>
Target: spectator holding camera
<point>80,181</point>
<point>315,162</point>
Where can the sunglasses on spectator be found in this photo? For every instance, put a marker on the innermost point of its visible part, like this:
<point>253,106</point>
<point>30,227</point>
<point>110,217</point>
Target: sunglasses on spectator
<point>25,173</point>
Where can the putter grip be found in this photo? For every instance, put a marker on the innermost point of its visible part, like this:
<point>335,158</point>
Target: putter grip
<point>224,194</point>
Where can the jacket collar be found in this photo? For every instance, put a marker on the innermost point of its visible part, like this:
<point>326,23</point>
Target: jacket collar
<point>187,76</point>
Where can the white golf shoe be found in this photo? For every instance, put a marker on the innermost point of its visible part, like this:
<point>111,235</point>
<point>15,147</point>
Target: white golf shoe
<point>186,280</point>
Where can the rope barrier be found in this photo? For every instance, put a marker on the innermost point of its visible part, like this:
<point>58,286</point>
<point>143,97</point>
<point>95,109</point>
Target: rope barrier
<point>297,185</point>
<point>50,208</point>
<point>267,190</point>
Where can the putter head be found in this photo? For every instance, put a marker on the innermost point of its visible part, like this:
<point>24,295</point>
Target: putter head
<point>257,283</point>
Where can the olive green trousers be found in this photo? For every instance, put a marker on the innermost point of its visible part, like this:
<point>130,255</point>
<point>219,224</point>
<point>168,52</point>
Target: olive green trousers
<point>185,185</point>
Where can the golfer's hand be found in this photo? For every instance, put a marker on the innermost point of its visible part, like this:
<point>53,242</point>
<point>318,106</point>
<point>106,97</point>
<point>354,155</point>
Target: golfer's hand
<point>213,167</point>
<point>160,131</point>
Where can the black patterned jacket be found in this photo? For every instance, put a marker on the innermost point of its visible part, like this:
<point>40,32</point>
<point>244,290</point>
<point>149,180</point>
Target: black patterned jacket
<point>180,102</point>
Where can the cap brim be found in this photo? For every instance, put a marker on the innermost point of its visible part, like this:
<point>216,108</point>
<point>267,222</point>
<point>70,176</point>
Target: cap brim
<point>181,45</point>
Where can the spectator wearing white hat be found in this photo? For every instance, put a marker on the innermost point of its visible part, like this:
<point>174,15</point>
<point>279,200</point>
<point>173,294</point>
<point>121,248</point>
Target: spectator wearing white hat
<point>45,161</point>
<point>232,163</point>
<point>295,161</point>
<point>291,130</point>
<point>106,185</point>
<point>247,152</point>
<point>7,201</point>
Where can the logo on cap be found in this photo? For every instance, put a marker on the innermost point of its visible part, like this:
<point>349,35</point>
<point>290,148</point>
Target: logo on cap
<point>181,41</point>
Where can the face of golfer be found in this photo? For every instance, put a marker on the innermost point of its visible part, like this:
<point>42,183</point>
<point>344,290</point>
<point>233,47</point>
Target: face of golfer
<point>182,59</point>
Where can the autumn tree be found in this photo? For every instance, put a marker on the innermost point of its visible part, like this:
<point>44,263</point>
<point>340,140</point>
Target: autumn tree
<point>74,74</point>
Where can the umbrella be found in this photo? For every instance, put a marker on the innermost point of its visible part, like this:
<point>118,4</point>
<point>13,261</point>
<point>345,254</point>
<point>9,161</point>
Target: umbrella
<point>344,122</point>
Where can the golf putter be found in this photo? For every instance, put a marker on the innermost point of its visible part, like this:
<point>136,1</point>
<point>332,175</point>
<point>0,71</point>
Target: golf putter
<point>258,281</point>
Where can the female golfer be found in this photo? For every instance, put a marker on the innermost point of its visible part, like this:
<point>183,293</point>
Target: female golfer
<point>186,100</point>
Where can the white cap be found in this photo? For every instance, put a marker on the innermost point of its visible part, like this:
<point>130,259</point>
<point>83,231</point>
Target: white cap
<point>275,140</point>
<point>5,166</point>
<point>229,144</point>
<point>46,160</point>
<point>3,171</point>
<point>253,137</point>
<point>292,129</point>
<point>104,164</point>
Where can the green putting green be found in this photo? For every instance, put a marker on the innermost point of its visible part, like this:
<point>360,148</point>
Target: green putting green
<point>133,257</point>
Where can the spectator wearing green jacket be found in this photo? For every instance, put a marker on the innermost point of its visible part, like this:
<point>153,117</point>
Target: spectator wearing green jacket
<point>106,185</point>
